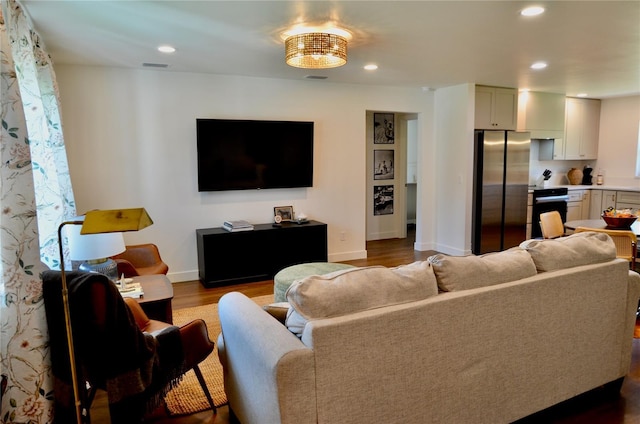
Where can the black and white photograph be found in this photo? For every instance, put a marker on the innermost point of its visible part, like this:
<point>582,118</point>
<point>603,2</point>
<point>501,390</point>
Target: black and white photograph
<point>383,128</point>
<point>284,212</point>
<point>383,164</point>
<point>383,200</point>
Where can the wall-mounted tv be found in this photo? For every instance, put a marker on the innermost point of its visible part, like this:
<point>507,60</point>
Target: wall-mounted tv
<point>235,154</point>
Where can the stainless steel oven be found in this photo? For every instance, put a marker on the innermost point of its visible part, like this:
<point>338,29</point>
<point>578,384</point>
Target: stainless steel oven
<point>546,200</point>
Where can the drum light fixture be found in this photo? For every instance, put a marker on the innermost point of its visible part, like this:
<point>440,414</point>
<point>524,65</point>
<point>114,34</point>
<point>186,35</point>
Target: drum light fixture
<point>316,50</point>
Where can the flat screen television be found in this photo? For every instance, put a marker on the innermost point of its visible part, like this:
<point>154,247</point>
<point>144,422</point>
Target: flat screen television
<point>235,154</point>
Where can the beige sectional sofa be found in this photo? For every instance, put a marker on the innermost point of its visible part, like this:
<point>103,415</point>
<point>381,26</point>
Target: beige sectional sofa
<point>477,339</point>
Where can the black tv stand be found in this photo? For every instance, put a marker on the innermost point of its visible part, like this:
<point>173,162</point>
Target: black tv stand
<point>236,257</point>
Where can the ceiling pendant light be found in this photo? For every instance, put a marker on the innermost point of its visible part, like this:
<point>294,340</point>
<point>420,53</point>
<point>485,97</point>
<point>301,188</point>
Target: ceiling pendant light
<point>315,50</point>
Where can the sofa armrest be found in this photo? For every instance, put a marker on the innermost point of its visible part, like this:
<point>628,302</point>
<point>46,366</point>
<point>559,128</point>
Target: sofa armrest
<point>633,296</point>
<point>269,374</point>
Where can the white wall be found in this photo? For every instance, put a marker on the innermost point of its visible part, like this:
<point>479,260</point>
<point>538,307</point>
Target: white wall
<point>619,121</point>
<point>130,138</point>
<point>454,117</point>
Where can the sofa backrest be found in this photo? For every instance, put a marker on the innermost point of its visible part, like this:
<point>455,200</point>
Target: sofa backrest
<point>357,289</point>
<point>447,357</point>
<point>467,272</point>
<point>574,250</point>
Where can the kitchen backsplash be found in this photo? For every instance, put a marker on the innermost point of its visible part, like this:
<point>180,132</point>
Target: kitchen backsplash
<point>558,168</point>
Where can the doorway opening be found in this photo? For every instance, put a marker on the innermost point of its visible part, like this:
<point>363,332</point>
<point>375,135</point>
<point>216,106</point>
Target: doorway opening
<point>392,180</point>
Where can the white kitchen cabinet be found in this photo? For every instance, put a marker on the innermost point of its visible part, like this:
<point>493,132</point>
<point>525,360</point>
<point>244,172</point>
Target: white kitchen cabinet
<point>542,114</point>
<point>574,211</point>
<point>578,205</point>
<point>608,199</point>
<point>595,206</point>
<point>603,199</point>
<point>633,206</point>
<point>582,125</point>
<point>628,200</point>
<point>586,203</point>
<point>496,108</point>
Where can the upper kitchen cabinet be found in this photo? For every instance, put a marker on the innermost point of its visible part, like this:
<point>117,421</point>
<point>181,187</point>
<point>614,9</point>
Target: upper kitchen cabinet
<point>496,108</point>
<point>582,124</point>
<point>541,114</point>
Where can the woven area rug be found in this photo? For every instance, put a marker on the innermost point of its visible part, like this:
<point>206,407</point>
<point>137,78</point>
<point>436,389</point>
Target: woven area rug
<point>188,397</point>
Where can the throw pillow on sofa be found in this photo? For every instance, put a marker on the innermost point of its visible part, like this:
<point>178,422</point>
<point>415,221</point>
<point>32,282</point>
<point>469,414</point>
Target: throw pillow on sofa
<point>357,289</point>
<point>455,273</point>
<point>574,250</point>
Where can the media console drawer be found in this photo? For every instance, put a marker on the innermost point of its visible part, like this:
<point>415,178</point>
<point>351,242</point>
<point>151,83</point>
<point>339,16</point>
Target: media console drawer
<point>236,257</point>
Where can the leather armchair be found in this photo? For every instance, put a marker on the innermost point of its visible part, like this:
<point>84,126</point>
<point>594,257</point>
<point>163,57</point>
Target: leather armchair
<point>196,344</point>
<point>117,349</point>
<point>140,259</point>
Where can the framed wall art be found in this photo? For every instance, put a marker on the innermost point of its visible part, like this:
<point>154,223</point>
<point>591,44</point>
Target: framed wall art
<point>383,164</point>
<point>383,200</point>
<point>383,128</point>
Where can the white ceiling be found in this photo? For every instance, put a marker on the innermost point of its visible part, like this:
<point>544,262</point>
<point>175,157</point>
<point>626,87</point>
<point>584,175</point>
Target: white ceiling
<point>590,46</point>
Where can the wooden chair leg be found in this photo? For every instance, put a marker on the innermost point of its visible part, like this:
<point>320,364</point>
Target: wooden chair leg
<point>196,369</point>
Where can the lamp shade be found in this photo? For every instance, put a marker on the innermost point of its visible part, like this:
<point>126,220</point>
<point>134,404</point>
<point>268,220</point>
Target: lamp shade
<point>115,220</point>
<point>93,246</point>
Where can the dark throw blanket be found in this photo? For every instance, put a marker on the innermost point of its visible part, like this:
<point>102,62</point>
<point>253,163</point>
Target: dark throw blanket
<point>136,369</point>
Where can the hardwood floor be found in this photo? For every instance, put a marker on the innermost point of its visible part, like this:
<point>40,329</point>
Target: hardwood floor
<point>594,407</point>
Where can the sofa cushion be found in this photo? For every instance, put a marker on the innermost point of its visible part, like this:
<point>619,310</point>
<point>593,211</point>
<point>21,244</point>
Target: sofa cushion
<point>357,289</point>
<point>574,250</point>
<point>455,273</point>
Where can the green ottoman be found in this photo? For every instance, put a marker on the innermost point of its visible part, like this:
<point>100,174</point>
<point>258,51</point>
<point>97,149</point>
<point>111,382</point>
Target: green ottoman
<point>285,277</point>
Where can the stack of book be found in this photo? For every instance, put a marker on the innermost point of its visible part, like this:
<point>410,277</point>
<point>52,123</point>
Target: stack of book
<point>128,289</point>
<point>237,226</point>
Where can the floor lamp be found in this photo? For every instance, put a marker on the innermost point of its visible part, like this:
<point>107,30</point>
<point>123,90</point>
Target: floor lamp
<point>95,222</point>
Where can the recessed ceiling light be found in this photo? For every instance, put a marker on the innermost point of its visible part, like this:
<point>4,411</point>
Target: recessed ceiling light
<point>166,49</point>
<point>371,67</point>
<point>532,11</point>
<point>539,65</point>
<point>581,95</point>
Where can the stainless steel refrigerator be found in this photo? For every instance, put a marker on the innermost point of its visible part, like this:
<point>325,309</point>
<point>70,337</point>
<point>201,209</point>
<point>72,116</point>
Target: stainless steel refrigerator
<point>500,190</point>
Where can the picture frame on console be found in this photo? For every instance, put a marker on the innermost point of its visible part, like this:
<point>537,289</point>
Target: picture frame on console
<point>284,212</point>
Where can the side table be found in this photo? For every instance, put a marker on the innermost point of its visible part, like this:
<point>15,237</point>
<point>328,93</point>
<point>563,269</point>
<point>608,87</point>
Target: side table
<point>156,299</point>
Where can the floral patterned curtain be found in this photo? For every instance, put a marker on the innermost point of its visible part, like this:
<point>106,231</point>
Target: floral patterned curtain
<point>35,196</point>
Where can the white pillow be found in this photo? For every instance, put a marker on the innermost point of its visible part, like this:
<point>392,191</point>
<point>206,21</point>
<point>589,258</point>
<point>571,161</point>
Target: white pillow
<point>357,289</point>
<point>468,272</point>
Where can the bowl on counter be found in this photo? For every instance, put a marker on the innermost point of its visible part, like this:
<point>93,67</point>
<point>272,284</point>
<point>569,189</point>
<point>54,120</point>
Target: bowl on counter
<point>619,222</point>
